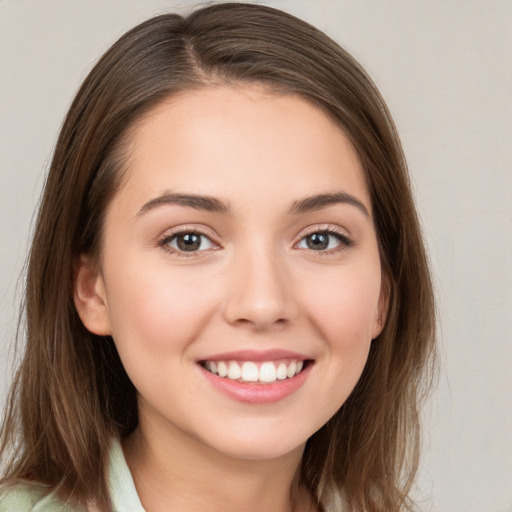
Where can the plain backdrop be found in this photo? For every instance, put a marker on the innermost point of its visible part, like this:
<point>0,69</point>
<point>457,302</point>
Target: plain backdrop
<point>444,67</point>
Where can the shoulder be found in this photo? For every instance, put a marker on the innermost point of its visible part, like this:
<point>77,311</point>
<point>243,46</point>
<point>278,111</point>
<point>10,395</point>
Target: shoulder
<point>25,496</point>
<point>31,497</point>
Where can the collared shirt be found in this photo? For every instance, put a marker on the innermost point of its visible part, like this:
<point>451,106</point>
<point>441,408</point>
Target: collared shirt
<point>33,497</point>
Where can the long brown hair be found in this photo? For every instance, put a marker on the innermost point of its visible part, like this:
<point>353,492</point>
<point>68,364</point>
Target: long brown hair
<point>71,394</point>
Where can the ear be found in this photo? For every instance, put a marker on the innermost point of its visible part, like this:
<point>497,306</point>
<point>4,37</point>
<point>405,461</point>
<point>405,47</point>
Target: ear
<point>90,297</point>
<point>382,308</point>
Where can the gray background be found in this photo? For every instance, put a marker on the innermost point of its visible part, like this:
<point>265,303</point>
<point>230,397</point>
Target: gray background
<point>444,66</point>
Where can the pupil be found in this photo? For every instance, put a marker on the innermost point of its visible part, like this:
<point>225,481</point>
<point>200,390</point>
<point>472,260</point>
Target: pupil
<point>318,241</point>
<point>189,242</point>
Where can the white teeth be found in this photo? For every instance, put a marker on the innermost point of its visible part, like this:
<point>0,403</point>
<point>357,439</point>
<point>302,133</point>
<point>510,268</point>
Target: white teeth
<point>222,368</point>
<point>267,372</point>
<point>282,371</point>
<point>234,372</point>
<point>250,372</point>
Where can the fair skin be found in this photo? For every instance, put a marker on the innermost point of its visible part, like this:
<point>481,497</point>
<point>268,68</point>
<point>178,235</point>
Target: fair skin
<point>242,233</point>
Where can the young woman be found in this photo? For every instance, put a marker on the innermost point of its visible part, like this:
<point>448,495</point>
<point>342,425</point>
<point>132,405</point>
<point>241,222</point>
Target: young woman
<point>228,304</point>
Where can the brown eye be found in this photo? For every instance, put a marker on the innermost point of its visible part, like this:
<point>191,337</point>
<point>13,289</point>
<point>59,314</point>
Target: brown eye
<point>188,242</point>
<point>325,241</point>
<point>318,241</point>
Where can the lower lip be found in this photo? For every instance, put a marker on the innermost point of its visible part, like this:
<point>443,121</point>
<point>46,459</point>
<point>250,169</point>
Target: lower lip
<point>255,393</point>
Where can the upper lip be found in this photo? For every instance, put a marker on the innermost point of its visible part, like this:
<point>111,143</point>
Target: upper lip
<point>256,355</point>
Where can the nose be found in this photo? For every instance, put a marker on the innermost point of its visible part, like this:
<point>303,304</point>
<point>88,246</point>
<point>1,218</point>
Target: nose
<point>260,291</point>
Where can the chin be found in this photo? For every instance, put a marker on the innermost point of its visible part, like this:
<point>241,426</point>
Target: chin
<point>260,444</point>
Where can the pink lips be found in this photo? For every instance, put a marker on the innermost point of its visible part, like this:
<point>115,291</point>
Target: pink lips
<point>256,392</point>
<point>256,355</point>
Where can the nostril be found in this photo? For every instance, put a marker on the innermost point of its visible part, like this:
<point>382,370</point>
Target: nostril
<point>261,324</point>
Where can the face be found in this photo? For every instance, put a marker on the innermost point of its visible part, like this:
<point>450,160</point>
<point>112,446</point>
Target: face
<point>239,274</point>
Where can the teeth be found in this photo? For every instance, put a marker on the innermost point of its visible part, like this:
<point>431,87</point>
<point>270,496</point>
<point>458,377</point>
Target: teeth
<point>234,371</point>
<point>249,371</point>
<point>222,369</point>
<point>268,372</point>
<point>282,371</point>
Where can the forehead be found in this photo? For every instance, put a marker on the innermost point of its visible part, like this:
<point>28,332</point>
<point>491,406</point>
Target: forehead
<point>241,142</point>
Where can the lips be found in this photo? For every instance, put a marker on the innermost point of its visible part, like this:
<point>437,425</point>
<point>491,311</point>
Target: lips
<point>257,377</point>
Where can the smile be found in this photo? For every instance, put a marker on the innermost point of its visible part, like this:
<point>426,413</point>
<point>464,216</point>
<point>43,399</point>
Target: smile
<point>264,372</point>
<point>257,377</point>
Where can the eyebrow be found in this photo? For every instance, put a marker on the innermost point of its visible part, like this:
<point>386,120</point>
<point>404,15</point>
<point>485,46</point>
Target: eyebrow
<point>319,201</point>
<point>198,202</point>
<point>212,204</point>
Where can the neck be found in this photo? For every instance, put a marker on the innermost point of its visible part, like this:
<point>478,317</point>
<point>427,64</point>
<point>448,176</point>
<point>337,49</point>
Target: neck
<point>181,474</point>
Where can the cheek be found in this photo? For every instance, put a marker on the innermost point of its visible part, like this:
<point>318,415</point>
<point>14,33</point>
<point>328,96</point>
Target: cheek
<point>344,308</point>
<point>158,310</point>
<point>155,317</point>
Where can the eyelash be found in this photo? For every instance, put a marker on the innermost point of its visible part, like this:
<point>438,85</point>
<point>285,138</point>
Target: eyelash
<point>344,241</point>
<point>168,238</point>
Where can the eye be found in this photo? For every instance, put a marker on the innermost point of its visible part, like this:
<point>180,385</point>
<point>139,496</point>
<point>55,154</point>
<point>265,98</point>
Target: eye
<point>187,241</point>
<point>324,241</point>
